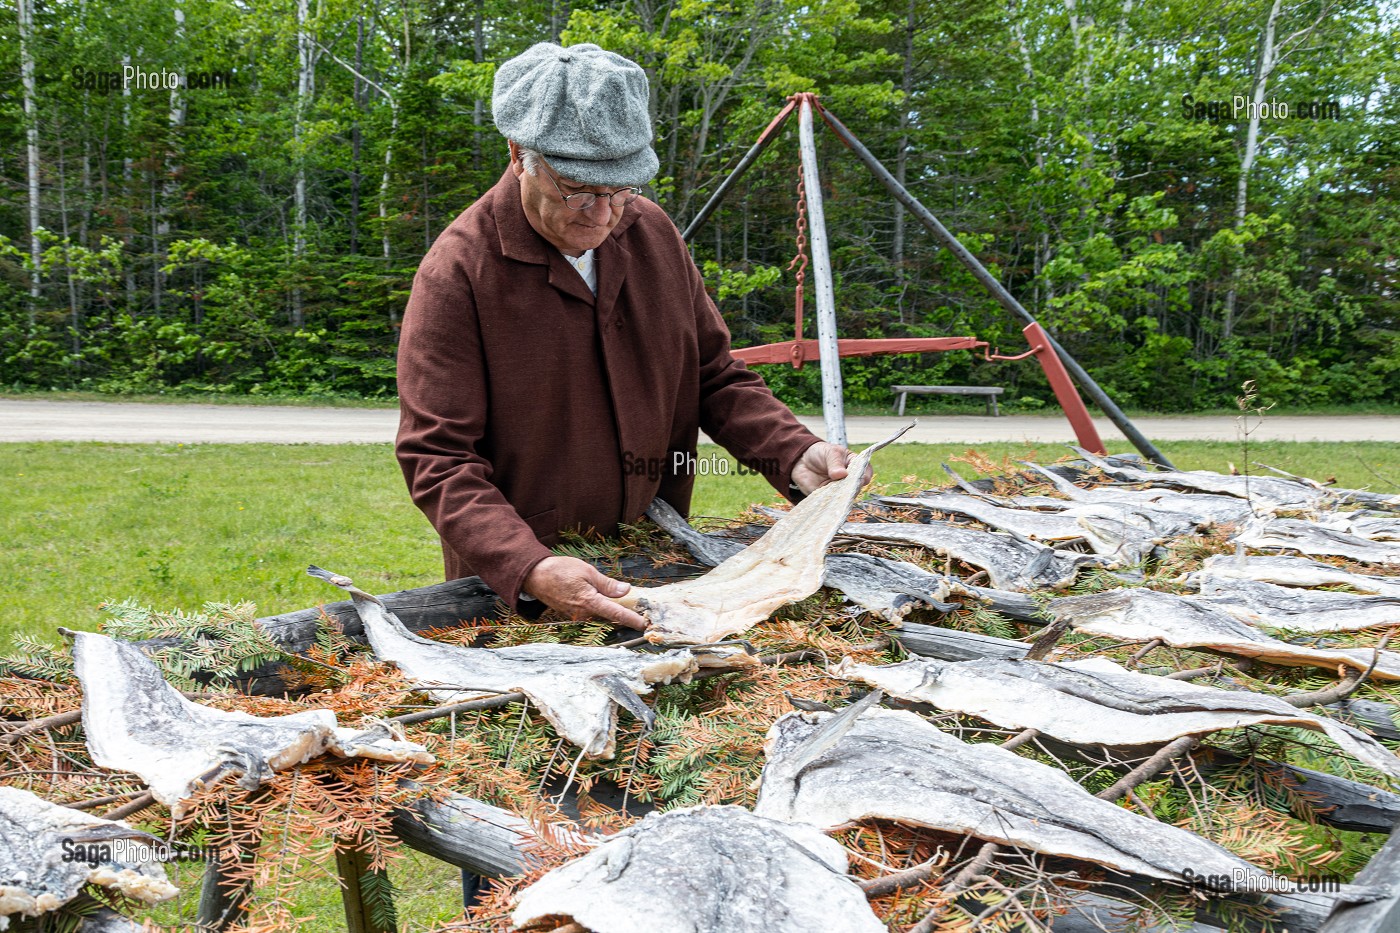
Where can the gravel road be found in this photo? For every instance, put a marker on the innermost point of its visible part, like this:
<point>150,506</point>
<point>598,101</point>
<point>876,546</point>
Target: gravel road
<point>119,422</point>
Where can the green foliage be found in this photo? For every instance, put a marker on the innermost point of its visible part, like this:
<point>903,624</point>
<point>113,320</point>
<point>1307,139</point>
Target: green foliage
<point>1052,142</point>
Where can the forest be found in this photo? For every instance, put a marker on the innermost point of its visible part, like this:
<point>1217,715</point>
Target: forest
<point>232,197</point>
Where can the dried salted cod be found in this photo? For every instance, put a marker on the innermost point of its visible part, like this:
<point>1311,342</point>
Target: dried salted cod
<point>1097,702</point>
<point>1319,541</point>
<point>1296,571</point>
<point>1122,533</point>
<point>834,769</point>
<point>1372,526</point>
<point>134,721</point>
<point>1273,491</point>
<point>705,870</point>
<point>1011,561</point>
<point>888,588</point>
<point>35,876</point>
<point>577,689</point>
<point>785,565</point>
<point>1141,615</point>
<point>1298,609</point>
<point>1202,508</point>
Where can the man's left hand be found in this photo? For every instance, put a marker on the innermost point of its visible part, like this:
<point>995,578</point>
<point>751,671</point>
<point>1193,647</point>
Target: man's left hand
<point>823,463</point>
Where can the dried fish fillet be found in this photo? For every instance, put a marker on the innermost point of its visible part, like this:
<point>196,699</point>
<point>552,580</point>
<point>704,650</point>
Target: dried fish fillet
<point>1296,571</point>
<point>1311,538</point>
<point>1297,609</point>
<point>704,870</point>
<point>134,721</point>
<point>892,765</point>
<point>1141,615</point>
<point>1012,562</point>
<point>1273,491</point>
<point>888,588</point>
<point>1203,508</point>
<point>35,878</point>
<point>1097,702</point>
<point>577,689</point>
<point>787,564</point>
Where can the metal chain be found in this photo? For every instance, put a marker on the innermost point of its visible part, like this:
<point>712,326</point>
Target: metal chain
<point>801,247</point>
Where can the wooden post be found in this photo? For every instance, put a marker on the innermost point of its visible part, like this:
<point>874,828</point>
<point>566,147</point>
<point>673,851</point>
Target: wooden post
<point>369,905</point>
<point>833,404</point>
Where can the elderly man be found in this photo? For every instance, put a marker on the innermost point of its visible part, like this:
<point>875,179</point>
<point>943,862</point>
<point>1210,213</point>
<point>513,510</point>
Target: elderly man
<point>559,349</point>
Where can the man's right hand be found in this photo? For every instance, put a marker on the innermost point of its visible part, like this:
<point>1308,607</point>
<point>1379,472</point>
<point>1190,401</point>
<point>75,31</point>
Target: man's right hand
<point>577,589</point>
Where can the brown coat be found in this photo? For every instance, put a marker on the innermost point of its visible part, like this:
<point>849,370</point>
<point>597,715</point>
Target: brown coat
<point>522,398</point>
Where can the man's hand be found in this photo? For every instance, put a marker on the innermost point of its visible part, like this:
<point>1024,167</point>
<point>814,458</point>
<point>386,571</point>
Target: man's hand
<point>823,463</point>
<point>576,588</point>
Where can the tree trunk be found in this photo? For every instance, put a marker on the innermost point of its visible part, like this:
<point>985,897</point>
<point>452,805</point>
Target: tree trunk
<point>129,194</point>
<point>901,159</point>
<point>306,64</point>
<point>169,192</point>
<point>356,137</point>
<point>1265,67</point>
<point>74,316</point>
<point>478,56</point>
<point>31,128</point>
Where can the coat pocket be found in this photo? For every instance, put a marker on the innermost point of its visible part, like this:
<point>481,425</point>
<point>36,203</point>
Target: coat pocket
<point>545,525</point>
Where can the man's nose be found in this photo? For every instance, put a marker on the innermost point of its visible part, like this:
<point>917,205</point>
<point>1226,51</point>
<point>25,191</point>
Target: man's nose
<point>601,208</point>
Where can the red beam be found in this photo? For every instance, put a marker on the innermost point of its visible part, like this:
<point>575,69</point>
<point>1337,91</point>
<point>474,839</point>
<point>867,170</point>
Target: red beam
<point>798,352</point>
<point>1065,391</point>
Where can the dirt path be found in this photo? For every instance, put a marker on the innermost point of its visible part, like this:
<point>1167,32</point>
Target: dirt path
<point>119,422</point>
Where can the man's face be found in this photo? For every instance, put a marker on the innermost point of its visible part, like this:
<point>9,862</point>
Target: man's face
<point>572,232</point>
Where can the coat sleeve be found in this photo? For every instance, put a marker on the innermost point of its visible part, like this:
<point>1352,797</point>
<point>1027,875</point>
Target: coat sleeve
<point>737,409</point>
<point>443,397</point>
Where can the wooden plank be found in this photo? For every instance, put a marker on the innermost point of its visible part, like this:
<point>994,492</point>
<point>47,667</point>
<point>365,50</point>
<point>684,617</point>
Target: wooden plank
<point>368,906</point>
<point>1379,916</point>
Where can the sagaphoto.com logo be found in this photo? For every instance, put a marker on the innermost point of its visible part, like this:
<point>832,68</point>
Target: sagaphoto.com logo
<point>142,78</point>
<point>131,851</point>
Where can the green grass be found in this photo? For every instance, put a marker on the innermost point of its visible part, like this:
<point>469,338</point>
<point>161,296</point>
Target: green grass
<point>176,526</point>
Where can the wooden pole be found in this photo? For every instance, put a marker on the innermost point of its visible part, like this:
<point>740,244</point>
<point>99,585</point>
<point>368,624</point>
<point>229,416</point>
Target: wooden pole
<point>999,292</point>
<point>833,406</point>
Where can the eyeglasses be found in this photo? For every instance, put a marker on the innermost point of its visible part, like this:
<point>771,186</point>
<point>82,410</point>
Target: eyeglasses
<point>586,199</point>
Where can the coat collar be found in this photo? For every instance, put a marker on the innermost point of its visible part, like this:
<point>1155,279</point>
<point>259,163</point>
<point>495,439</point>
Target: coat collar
<point>521,242</point>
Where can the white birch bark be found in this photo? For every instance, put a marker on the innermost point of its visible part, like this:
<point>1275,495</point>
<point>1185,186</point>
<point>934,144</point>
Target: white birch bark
<point>31,120</point>
<point>1268,60</point>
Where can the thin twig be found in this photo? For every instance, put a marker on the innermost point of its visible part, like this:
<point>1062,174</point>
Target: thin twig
<point>438,712</point>
<point>1349,684</point>
<point>1150,768</point>
<point>880,887</point>
<point>56,721</point>
<point>132,808</point>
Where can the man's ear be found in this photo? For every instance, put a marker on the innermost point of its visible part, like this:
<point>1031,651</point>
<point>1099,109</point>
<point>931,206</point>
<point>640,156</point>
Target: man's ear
<point>516,166</point>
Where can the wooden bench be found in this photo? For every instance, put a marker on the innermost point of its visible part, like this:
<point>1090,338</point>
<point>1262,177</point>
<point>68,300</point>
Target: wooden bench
<point>988,393</point>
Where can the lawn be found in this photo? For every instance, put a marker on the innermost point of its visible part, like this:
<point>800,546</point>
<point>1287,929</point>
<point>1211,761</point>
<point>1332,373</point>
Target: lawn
<point>176,526</point>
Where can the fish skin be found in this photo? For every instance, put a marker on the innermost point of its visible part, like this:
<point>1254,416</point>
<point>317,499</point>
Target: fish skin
<point>1205,509</point>
<point>1126,533</point>
<point>888,588</point>
<point>1296,572</point>
<point>787,564</point>
<point>1277,492</point>
<point>34,879</point>
<point>1317,540</point>
<point>1300,610</point>
<point>133,720</point>
<point>716,869</point>
<point>1013,563</point>
<point>562,681</point>
<point>893,765</point>
<point>1097,702</point>
<point>1142,615</point>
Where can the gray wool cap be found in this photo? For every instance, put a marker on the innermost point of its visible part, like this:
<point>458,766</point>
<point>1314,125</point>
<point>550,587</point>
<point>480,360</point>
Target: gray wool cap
<point>582,108</point>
